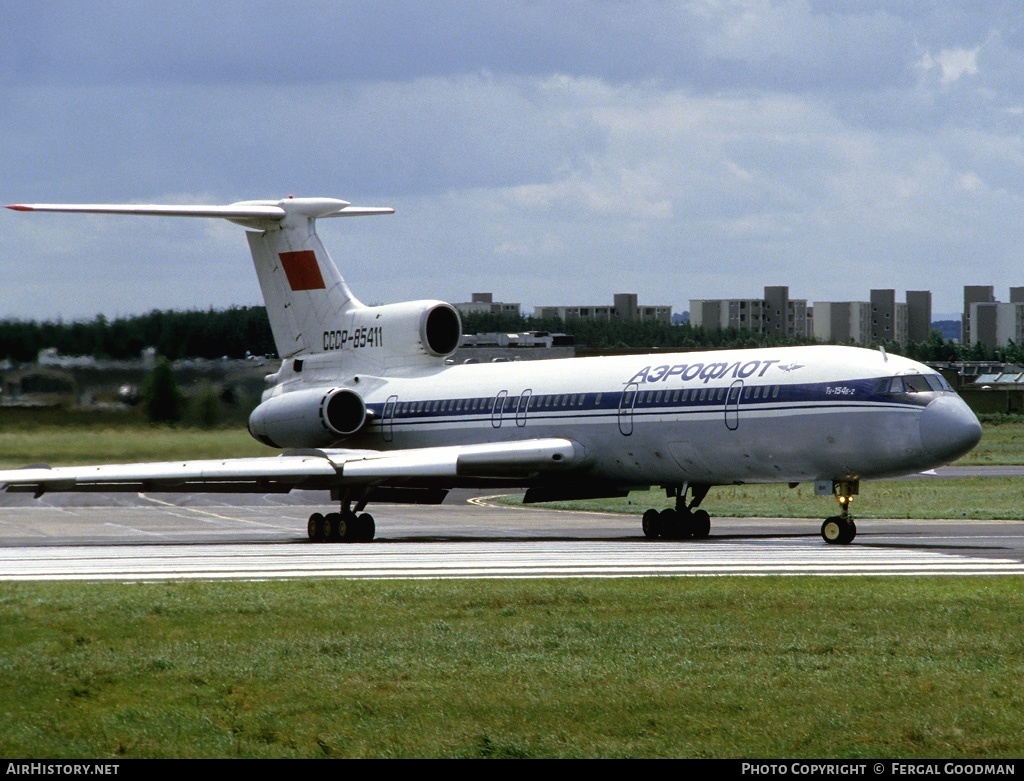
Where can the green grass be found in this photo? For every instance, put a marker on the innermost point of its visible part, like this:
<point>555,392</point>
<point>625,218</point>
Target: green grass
<point>976,498</point>
<point>1002,442</point>
<point>663,667</point>
<point>68,437</point>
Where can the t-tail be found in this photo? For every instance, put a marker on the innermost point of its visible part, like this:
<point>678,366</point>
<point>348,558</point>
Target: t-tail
<point>311,309</point>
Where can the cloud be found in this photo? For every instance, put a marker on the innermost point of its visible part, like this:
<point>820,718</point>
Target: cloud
<point>952,63</point>
<point>547,151</point>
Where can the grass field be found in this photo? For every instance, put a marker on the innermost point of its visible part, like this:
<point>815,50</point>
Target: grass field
<point>653,667</point>
<point>657,667</point>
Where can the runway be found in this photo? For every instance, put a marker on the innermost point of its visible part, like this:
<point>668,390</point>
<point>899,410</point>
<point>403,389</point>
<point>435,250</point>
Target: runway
<point>133,537</point>
<point>527,559</point>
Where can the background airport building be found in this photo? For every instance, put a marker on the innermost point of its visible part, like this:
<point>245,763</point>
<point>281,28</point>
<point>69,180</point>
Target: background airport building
<point>624,306</point>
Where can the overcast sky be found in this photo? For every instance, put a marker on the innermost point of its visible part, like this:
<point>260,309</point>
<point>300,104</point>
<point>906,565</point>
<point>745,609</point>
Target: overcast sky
<point>549,152</point>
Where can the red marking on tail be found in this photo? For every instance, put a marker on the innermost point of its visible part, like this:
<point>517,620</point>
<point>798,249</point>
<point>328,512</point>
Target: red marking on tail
<point>302,270</point>
<point>19,208</point>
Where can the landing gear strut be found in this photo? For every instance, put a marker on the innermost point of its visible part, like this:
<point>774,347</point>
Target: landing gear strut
<point>344,526</point>
<point>683,522</point>
<point>840,529</point>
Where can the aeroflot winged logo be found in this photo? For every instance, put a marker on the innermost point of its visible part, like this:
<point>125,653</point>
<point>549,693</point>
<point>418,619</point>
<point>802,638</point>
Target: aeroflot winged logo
<point>302,270</point>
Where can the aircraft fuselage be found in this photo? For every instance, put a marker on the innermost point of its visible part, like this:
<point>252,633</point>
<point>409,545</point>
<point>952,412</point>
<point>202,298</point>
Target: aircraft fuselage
<point>735,416</point>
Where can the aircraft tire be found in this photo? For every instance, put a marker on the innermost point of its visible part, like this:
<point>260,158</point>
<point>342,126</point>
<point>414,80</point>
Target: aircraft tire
<point>700,523</point>
<point>335,527</point>
<point>838,530</point>
<point>365,528</point>
<point>851,531</point>
<point>652,524</point>
<point>674,526</point>
<point>315,528</point>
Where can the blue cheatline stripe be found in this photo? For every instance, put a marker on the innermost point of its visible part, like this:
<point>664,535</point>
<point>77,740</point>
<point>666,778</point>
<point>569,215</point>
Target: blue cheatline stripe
<point>773,398</point>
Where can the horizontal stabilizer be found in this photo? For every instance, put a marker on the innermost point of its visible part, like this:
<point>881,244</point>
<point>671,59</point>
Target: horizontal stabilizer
<point>311,208</point>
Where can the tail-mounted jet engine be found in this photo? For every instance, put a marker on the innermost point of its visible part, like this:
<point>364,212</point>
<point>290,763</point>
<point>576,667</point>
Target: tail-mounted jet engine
<point>395,334</point>
<point>308,418</point>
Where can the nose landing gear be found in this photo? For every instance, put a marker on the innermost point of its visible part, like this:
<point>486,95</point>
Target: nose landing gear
<point>840,529</point>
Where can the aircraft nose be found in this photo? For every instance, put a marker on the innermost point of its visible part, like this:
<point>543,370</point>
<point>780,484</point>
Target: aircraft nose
<point>949,428</point>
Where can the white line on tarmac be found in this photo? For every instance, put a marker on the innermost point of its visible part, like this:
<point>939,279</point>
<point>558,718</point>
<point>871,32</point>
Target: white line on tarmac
<point>479,560</point>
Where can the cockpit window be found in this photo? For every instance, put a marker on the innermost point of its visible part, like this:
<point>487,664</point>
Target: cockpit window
<point>916,383</point>
<point>913,383</point>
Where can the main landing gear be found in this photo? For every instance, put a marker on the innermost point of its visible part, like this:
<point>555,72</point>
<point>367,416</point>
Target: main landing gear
<point>345,526</point>
<point>840,529</point>
<point>682,523</point>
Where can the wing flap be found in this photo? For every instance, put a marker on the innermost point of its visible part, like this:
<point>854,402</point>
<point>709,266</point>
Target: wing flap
<point>499,459</point>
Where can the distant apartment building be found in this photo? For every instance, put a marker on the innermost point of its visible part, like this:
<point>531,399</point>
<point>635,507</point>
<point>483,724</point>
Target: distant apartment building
<point>888,318</point>
<point>842,322</point>
<point>919,315</point>
<point>974,294</point>
<point>990,322</point>
<point>625,306</point>
<point>484,303</point>
<point>879,320</point>
<point>776,313</point>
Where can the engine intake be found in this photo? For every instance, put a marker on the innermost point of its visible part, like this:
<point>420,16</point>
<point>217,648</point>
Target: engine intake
<point>308,418</point>
<point>441,330</point>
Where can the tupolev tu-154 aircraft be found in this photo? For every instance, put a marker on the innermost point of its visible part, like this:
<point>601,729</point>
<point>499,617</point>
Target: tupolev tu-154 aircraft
<point>366,405</point>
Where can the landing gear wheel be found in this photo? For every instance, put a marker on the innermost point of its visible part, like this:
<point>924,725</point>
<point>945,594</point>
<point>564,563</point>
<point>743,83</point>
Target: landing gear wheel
<point>364,529</point>
<point>315,528</point>
<point>335,527</point>
<point>700,524</point>
<point>851,531</point>
<point>674,525</point>
<point>838,530</point>
<point>652,524</point>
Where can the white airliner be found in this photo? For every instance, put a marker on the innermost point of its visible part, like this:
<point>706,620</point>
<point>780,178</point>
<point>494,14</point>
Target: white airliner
<point>366,406</point>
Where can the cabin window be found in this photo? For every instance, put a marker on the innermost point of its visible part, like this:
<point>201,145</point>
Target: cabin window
<point>775,391</point>
<point>597,400</point>
<point>703,394</point>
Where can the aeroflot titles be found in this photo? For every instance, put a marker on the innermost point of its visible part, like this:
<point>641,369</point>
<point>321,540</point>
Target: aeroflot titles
<point>703,371</point>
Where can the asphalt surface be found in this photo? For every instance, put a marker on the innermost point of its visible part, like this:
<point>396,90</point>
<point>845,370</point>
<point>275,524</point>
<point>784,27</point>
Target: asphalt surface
<point>168,536</point>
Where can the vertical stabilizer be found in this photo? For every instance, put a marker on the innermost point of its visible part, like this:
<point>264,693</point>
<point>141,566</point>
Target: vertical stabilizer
<point>303,290</point>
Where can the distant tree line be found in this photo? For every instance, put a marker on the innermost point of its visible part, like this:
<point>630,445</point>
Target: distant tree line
<point>241,331</point>
<point>233,332</point>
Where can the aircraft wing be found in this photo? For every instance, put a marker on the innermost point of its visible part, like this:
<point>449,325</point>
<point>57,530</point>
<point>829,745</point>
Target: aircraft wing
<point>315,469</point>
